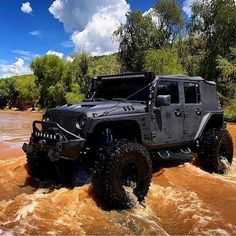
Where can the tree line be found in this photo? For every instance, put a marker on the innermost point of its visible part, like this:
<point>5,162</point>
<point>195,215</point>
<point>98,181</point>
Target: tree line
<point>55,81</point>
<point>163,41</point>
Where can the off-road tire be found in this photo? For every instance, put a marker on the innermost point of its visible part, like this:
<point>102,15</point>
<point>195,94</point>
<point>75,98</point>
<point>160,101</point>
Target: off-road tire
<point>215,145</point>
<point>80,175</point>
<point>35,164</point>
<point>110,174</point>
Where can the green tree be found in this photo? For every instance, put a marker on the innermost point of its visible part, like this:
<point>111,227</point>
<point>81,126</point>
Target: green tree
<point>104,65</point>
<point>27,89</point>
<point>84,67</point>
<point>75,95</point>
<point>4,93</point>
<point>170,19</point>
<point>163,62</point>
<point>215,21</point>
<point>8,93</point>
<point>191,53</point>
<point>135,37</point>
<point>80,70</point>
<point>49,71</point>
<point>227,77</point>
<point>141,34</point>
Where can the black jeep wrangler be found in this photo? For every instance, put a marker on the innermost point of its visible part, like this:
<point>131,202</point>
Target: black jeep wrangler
<point>128,122</point>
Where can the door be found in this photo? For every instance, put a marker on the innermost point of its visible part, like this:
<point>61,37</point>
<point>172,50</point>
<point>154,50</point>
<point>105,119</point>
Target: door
<point>193,109</point>
<point>168,120</point>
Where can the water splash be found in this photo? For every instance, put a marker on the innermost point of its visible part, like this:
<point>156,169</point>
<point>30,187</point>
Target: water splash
<point>181,200</point>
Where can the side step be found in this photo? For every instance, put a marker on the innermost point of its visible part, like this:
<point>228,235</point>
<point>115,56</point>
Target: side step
<point>184,155</point>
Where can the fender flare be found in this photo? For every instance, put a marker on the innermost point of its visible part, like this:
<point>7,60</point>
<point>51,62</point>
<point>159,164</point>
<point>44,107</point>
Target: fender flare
<point>210,120</point>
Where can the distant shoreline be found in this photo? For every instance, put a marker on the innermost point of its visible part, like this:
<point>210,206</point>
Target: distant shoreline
<point>17,110</point>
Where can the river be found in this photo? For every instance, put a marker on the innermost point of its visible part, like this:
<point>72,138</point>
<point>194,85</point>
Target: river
<point>182,199</point>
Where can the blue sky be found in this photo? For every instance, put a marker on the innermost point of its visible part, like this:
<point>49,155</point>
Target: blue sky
<point>31,28</point>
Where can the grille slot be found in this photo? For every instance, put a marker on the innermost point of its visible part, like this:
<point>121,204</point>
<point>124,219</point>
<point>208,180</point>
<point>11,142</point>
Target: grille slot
<point>66,121</point>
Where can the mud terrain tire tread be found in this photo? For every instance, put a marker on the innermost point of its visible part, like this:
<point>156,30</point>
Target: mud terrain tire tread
<point>209,153</point>
<point>107,187</point>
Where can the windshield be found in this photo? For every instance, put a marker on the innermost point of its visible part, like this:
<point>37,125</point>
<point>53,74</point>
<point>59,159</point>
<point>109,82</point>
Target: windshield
<point>122,88</point>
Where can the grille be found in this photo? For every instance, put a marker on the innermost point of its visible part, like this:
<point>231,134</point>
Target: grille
<point>65,121</point>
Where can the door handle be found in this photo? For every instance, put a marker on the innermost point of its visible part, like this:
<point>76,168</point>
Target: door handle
<point>178,113</point>
<point>199,111</point>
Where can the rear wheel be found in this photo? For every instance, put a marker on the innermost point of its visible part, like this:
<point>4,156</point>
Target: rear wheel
<point>122,173</point>
<point>216,150</point>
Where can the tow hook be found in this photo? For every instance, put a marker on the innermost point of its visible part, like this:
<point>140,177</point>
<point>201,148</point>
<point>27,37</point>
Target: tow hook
<point>28,149</point>
<point>42,142</point>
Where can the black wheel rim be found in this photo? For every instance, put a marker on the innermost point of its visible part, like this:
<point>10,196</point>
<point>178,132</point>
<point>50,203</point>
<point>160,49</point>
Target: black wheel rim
<point>128,171</point>
<point>223,152</point>
<point>129,175</point>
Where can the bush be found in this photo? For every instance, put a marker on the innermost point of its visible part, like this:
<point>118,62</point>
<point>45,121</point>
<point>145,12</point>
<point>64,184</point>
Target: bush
<point>163,62</point>
<point>230,111</point>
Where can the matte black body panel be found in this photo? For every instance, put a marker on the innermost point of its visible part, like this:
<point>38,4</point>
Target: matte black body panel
<point>160,127</point>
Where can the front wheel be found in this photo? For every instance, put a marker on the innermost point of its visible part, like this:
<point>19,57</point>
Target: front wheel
<point>216,150</point>
<point>122,172</point>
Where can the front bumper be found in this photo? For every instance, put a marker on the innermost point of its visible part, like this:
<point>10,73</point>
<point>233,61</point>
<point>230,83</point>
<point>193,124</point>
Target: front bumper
<point>54,140</point>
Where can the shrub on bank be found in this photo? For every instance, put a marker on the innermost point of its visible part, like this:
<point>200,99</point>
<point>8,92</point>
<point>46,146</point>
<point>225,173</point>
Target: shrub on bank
<point>230,111</point>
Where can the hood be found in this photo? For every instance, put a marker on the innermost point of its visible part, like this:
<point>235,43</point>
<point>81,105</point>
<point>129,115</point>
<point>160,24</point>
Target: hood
<point>95,109</point>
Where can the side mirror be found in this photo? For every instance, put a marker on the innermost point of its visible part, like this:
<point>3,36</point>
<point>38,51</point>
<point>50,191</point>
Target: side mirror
<point>163,100</point>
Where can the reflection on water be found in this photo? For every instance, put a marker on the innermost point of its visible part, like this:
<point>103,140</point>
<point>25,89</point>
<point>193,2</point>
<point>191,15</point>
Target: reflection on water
<point>181,200</point>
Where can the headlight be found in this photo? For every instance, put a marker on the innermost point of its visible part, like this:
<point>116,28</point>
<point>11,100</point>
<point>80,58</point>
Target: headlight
<point>46,118</point>
<point>81,122</point>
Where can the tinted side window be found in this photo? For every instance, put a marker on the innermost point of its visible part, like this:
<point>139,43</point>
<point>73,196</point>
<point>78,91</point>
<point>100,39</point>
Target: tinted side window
<point>169,88</point>
<point>192,93</point>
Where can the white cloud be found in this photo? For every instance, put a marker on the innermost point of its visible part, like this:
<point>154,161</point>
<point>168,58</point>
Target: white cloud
<point>97,36</point>
<point>187,4</point>
<point>26,55</point>
<point>17,68</point>
<point>151,13</point>
<point>91,23</point>
<point>36,33</point>
<point>19,63</point>
<point>70,59</point>
<point>26,8</point>
<point>59,54</point>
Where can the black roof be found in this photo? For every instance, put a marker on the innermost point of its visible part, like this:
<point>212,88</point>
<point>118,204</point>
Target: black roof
<point>180,77</point>
<point>184,77</point>
<point>152,76</point>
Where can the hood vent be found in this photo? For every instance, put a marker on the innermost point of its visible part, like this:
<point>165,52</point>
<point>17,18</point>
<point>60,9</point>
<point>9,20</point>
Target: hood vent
<point>128,108</point>
<point>88,105</point>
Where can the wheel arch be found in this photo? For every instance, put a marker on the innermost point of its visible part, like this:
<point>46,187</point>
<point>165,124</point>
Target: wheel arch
<point>125,129</point>
<point>211,120</point>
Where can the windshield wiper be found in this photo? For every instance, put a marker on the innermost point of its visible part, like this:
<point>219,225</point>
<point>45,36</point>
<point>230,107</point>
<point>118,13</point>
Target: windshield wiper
<point>119,99</point>
<point>95,99</point>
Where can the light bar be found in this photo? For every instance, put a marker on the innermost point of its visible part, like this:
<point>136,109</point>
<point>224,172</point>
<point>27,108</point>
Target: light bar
<point>124,77</point>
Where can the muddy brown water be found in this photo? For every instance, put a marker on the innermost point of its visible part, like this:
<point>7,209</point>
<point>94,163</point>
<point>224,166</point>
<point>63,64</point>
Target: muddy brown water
<point>182,199</point>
